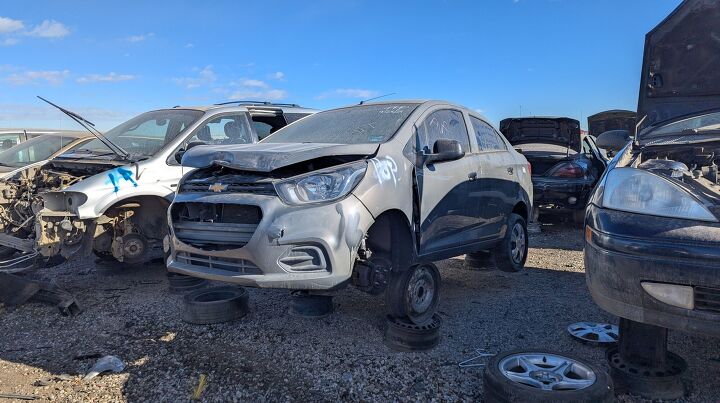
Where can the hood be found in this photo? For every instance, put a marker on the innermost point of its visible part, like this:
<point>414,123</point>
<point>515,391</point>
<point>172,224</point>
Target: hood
<point>558,131</point>
<point>4,169</point>
<point>614,119</point>
<point>267,157</point>
<point>681,65</point>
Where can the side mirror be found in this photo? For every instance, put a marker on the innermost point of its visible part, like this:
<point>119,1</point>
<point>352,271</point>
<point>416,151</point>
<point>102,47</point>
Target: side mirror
<point>181,151</point>
<point>613,140</point>
<point>445,150</point>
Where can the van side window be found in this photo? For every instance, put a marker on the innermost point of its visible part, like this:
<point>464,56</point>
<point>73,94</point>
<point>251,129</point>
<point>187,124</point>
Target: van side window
<point>487,138</point>
<point>442,124</point>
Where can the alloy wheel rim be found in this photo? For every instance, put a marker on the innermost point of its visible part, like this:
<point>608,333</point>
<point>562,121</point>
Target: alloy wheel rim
<point>548,372</point>
<point>518,242</point>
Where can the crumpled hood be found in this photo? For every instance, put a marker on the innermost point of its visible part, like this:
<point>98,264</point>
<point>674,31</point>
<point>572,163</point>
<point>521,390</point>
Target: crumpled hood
<point>267,157</point>
<point>681,65</point>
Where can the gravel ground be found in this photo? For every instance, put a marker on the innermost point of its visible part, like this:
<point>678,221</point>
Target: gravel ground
<point>271,355</point>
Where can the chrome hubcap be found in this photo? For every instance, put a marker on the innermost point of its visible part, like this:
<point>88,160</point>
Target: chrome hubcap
<point>517,243</point>
<point>547,371</point>
<point>421,290</point>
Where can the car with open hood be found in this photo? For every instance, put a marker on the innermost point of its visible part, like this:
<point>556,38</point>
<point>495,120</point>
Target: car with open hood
<point>565,164</point>
<point>110,195</point>
<point>652,235</point>
<point>38,150</point>
<point>615,119</point>
<point>369,194</point>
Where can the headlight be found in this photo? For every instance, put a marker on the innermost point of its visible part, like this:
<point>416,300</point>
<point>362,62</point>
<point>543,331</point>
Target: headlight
<point>321,186</point>
<point>642,192</point>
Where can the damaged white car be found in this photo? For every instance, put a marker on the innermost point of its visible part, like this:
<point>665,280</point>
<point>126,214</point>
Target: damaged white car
<point>110,196</point>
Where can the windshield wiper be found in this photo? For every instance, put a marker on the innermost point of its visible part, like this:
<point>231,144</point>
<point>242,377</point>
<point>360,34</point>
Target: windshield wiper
<point>90,127</point>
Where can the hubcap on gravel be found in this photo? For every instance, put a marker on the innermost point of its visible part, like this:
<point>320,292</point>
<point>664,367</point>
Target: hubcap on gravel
<point>547,371</point>
<point>421,290</point>
<point>517,243</point>
<point>596,333</point>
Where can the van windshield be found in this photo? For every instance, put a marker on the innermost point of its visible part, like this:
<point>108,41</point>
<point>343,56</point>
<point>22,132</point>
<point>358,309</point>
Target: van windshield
<point>362,124</point>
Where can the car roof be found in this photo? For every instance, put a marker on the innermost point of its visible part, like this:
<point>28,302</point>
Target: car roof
<point>51,132</point>
<point>426,102</point>
<point>248,106</point>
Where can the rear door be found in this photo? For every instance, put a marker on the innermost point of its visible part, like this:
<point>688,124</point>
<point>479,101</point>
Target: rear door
<point>497,179</point>
<point>445,216</point>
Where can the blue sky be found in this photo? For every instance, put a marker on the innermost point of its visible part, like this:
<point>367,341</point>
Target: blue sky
<point>114,60</point>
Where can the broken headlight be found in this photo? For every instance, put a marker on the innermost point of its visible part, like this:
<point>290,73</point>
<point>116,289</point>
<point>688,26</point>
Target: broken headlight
<point>321,186</point>
<point>638,191</point>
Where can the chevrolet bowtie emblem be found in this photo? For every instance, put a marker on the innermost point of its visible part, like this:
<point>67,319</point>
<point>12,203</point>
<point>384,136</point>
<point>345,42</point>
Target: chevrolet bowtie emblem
<point>218,187</point>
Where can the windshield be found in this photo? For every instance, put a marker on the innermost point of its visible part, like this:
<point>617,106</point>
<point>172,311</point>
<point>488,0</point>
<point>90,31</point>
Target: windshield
<point>353,125</point>
<point>146,134</point>
<point>699,124</point>
<point>34,150</point>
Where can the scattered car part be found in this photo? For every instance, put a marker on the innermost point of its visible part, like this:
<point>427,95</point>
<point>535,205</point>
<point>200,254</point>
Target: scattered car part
<point>541,376</point>
<point>480,260</point>
<point>18,397</point>
<point>65,302</point>
<point>180,284</point>
<point>594,333</point>
<point>16,290</point>
<point>510,255</point>
<point>215,305</point>
<point>394,184</point>
<point>473,361</point>
<point>414,293</point>
<point>404,335</point>
<point>310,305</point>
<point>109,363</point>
<point>641,364</point>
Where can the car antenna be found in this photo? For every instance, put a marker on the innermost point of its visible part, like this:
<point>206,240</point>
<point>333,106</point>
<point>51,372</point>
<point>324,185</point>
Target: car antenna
<point>372,99</point>
<point>90,127</point>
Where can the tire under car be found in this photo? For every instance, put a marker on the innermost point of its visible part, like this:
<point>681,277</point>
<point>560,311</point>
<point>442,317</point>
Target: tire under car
<point>215,305</point>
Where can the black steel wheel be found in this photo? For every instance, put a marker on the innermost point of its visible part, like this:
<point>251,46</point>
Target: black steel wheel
<point>510,255</point>
<point>541,376</point>
<point>414,293</point>
<point>403,335</point>
<point>215,305</point>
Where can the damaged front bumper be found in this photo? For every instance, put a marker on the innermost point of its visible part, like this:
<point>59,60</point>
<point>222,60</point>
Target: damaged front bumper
<point>310,247</point>
<point>655,270</point>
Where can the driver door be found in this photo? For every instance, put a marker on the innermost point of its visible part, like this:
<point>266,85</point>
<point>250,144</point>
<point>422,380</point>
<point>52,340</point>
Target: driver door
<point>443,187</point>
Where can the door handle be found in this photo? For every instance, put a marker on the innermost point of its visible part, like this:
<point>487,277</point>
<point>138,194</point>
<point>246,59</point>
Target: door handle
<point>510,170</point>
<point>472,176</point>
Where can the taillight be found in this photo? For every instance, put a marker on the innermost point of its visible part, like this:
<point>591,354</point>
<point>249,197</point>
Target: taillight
<point>529,168</point>
<point>568,170</point>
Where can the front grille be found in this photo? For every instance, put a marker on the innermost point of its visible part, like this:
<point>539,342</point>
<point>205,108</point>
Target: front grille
<point>215,226</point>
<point>707,299</point>
<point>236,266</point>
<point>253,188</point>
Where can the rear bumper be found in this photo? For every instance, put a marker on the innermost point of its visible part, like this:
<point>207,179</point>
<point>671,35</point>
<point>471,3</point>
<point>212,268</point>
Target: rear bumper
<point>558,192</point>
<point>623,250</point>
<point>330,232</point>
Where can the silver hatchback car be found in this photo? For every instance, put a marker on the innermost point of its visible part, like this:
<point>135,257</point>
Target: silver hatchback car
<point>368,194</point>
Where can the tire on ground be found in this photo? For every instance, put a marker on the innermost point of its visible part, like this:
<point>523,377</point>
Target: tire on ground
<point>215,305</point>
<point>498,388</point>
<point>503,253</point>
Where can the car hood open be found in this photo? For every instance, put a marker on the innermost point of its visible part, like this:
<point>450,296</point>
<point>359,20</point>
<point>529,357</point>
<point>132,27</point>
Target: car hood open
<point>681,65</point>
<point>615,119</point>
<point>267,157</point>
<point>546,130</point>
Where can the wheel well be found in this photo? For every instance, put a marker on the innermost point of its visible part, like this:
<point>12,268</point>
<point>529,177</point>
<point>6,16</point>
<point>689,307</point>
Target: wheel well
<point>521,209</point>
<point>150,218</point>
<point>391,237</point>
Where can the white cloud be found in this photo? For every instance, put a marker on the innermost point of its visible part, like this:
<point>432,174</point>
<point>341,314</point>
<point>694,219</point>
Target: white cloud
<point>105,78</point>
<point>348,93</point>
<point>139,38</point>
<point>189,45</point>
<point>9,41</point>
<point>278,75</point>
<point>52,77</point>
<point>8,25</point>
<point>254,83</point>
<point>263,95</point>
<point>49,29</point>
<point>206,76</point>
